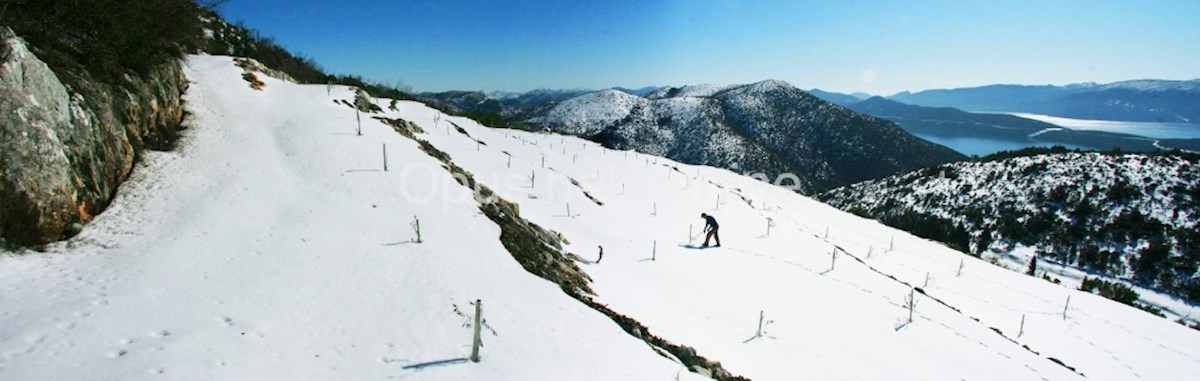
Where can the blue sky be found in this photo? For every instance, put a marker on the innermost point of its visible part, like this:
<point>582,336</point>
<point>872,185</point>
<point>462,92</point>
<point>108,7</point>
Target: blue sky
<point>879,47</point>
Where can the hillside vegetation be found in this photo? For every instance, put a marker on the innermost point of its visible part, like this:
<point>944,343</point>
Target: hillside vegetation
<point>1128,215</point>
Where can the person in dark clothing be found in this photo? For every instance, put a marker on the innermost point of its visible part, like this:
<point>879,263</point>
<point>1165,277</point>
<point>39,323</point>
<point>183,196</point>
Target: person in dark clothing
<point>710,226</point>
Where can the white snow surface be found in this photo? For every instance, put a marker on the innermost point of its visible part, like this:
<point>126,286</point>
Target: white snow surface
<point>592,111</point>
<point>703,90</point>
<point>257,251</point>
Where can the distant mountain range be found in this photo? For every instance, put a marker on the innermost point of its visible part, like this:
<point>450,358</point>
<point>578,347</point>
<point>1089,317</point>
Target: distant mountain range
<point>1138,100</point>
<point>767,127</point>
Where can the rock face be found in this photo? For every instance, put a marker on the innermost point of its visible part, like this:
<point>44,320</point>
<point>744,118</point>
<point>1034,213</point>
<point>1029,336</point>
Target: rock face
<point>66,150</point>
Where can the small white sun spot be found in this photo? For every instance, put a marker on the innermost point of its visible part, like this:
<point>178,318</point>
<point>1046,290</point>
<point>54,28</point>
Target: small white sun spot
<point>869,75</point>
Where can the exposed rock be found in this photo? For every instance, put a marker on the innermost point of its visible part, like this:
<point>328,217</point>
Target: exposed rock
<point>66,150</point>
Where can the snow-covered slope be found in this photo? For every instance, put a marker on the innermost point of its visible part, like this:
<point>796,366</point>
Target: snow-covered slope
<point>259,252</point>
<point>590,112</point>
<point>1101,212</point>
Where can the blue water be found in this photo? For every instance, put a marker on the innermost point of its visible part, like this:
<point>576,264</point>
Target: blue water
<point>984,146</point>
<point>1146,129</point>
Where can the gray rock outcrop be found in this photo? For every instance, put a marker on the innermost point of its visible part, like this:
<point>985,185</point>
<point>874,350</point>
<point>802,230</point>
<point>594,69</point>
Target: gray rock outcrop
<point>66,148</point>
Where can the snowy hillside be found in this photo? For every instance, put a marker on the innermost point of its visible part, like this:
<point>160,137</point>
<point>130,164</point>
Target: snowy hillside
<point>274,245</point>
<point>769,128</point>
<point>590,112</point>
<point>1132,216</point>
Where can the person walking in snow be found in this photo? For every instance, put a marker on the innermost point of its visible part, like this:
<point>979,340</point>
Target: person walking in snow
<point>710,226</point>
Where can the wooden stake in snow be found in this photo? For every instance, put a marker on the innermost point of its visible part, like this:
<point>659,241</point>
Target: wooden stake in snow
<point>601,254</point>
<point>912,303</point>
<point>826,232</point>
<point>1022,331</point>
<point>718,202</point>
<point>478,322</point>
<point>543,161</point>
<point>417,228</point>
<point>892,244</point>
<point>385,157</point>
<point>654,250</point>
<point>532,175</point>
<point>960,267</point>
<point>569,210</point>
<point>926,284</point>
<point>761,315</point>
<point>769,223</point>
<point>870,249</point>
<point>358,120</point>
<point>690,234</point>
<point>509,165</point>
<point>833,262</point>
<point>1066,306</point>
<point>654,212</point>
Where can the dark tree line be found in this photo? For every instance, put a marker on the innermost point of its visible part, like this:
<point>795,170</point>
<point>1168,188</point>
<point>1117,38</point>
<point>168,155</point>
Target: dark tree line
<point>106,38</point>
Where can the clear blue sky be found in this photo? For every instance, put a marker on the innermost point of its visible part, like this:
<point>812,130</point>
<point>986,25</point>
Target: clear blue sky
<point>879,47</point>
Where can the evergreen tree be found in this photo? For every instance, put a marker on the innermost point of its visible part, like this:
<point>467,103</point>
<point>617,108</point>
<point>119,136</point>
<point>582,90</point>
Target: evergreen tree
<point>1032,265</point>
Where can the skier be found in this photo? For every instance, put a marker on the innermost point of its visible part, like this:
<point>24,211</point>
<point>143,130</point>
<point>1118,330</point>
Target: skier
<point>710,226</point>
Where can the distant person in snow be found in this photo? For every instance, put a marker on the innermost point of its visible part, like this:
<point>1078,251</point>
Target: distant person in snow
<point>710,226</point>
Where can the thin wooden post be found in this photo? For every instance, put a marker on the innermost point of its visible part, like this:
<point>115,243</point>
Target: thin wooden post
<point>718,202</point>
<point>532,176</point>
<point>690,234</point>
<point>478,320</point>
<point>834,261</point>
<point>358,120</point>
<point>892,244</point>
<point>769,223</point>
<point>926,284</point>
<point>654,250</point>
<point>385,157</point>
<point>826,232</point>
<point>760,321</point>
<point>417,227</point>
<point>912,303</point>
<point>509,165</point>
<point>1066,306</point>
<point>1022,331</point>
<point>960,267</point>
<point>654,212</point>
<point>569,210</point>
<point>543,161</point>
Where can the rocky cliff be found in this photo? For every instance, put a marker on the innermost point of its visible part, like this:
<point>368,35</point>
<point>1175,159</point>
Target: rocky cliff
<point>69,141</point>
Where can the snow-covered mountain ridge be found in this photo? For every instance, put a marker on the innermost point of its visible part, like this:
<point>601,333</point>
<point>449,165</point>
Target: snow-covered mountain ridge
<point>275,245</point>
<point>767,127</point>
<point>1133,216</point>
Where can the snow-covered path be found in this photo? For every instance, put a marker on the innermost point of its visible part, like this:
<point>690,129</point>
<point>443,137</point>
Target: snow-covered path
<point>259,251</point>
<point>256,252</point>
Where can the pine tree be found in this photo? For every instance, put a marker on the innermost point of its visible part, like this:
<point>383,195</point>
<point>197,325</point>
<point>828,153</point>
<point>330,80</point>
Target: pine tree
<point>1032,266</point>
